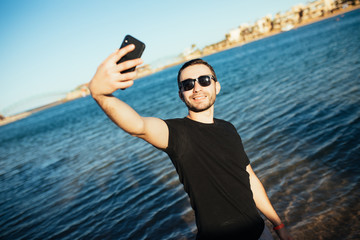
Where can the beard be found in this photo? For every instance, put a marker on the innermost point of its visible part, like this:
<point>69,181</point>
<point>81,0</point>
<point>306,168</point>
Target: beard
<point>201,106</point>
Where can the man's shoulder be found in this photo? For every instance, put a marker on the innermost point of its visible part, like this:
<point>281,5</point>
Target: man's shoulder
<point>175,120</point>
<point>223,122</point>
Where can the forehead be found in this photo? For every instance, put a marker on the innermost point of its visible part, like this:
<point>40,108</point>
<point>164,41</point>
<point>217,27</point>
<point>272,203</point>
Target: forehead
<point>195,71</point>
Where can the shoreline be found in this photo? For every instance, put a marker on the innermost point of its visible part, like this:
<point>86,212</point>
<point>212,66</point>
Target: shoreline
<point>19,116</point>
<point>269,34</point>
<point>296,26</point>
<point>25,114</point>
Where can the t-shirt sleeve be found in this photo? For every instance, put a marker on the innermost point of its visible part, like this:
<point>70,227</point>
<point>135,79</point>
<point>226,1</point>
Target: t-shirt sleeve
<point>174,136</point>
<point>245,157</point>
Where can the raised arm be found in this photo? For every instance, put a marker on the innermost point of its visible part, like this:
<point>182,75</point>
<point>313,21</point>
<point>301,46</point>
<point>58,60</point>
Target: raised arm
<point>107,79</point>
<point>264,205</point>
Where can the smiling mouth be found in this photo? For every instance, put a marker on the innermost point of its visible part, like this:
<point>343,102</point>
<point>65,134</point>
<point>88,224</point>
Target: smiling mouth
<point>199,97</point>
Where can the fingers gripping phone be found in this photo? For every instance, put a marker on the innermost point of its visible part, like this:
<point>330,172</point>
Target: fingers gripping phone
<point>136,53</point>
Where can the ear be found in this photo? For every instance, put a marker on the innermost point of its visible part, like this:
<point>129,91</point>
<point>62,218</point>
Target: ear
<point>181,96</point>
<point>217,87</point>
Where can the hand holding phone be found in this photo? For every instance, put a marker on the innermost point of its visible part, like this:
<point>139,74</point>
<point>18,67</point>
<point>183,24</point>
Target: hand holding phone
<point>107,78</point>
<point>136,53</point>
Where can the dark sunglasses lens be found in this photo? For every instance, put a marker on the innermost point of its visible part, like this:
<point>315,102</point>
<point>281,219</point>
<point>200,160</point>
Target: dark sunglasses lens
<point>188,84</point>
<point>204,81</point>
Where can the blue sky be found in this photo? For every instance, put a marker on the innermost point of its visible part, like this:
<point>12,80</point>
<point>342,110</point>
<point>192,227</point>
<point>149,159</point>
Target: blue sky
<point>48,48</point>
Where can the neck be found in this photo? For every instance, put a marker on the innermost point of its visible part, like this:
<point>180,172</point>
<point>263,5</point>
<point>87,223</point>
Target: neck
<point>206,116</point>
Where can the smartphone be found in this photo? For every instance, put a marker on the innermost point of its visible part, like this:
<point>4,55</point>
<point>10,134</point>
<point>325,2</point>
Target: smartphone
<point>136,53</point>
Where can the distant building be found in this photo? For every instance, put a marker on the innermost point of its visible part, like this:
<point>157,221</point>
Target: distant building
<point>234,35</point>
<point>264,25</point>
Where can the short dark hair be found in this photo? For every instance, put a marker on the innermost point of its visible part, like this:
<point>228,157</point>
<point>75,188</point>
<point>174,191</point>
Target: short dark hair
<point>195,62</point>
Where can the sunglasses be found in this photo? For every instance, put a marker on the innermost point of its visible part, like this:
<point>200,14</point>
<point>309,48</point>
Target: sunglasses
<point>189,84</point>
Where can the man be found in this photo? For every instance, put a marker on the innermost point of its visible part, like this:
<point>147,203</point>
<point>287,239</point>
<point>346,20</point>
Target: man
<point>208,153</point>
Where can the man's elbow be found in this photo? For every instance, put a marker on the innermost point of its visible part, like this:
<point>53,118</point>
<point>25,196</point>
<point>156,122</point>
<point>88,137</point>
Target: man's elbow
<point>138,135</point>
<point>138,131</point>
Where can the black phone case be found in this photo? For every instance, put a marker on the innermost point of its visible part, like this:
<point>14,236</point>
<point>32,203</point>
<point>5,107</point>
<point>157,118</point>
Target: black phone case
<point>136,53</point>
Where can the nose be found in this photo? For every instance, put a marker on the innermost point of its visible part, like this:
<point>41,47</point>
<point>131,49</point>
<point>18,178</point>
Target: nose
<point>197,86</point>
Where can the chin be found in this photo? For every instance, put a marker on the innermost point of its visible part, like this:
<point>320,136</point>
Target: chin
<point>199,108</point>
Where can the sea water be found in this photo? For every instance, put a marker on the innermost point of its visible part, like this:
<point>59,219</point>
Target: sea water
<point>69,173</point>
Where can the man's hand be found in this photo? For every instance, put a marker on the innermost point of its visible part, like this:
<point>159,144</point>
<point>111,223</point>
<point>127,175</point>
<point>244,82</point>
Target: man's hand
<point>284,234</point>
<point>108,77</point>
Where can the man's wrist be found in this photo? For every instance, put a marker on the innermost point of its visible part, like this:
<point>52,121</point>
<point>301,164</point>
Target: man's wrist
<point>278,227</point>
<point>99,95</point>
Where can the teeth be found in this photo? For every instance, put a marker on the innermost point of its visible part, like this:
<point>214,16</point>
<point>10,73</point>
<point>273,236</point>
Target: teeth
<point>198,98</point>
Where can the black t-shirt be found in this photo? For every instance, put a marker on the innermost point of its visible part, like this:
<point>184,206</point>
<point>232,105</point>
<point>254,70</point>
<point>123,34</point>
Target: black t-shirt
<point>211,163</point>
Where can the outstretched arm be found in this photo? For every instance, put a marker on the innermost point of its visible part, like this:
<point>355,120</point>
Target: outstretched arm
<point>264,205</point>
<point>107,79</point>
